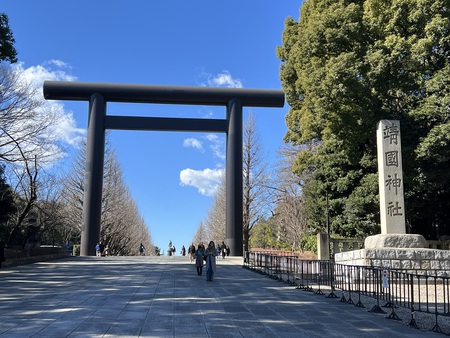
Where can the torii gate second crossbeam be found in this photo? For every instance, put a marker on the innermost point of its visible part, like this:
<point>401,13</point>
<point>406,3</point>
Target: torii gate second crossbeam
<point>98,94</point>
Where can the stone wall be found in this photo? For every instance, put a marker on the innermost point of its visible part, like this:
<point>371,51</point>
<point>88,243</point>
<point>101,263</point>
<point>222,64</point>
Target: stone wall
<point>421,261</point>
<point>33,259</point>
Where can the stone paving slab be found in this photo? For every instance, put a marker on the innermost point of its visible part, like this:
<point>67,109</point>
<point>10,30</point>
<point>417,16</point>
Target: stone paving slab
<point>163,297</point>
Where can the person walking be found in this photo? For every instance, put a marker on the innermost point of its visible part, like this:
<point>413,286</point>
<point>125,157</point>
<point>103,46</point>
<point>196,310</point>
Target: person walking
<point>141,250</point>
<point>210,254</point>
<point>97,250</point>
<point>218,250</point>
<point>102,249</point>
<point>191,252</point>
<point>199,259</point>
<point>223,250</point>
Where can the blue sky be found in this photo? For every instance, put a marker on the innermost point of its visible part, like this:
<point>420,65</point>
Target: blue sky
<point>171,175</point>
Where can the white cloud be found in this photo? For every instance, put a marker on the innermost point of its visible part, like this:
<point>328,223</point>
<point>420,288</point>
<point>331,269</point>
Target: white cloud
<point>206,181</point>
<point>223,79</point>
<point>217,145</point>
<point>53,70</point>
<point>64,130</point>
<point>193,143</point>
<point>208,115</point>
<point>57,63</point>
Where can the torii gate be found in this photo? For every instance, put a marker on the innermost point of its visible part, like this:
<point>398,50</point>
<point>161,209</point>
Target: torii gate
<point>98,94</point>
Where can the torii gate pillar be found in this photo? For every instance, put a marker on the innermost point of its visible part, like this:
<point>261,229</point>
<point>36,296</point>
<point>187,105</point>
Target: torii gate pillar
<point>234,185</point>
<point>93,185</point>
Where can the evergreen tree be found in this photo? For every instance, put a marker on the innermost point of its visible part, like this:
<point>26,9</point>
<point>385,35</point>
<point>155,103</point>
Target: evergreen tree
<point>7,50</point>
<point>345,66</point>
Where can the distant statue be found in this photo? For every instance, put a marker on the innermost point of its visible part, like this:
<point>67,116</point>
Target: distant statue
<point>170,249</point>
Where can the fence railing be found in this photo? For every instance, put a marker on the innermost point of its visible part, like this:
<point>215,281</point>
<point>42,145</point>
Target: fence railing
<point>328,246</point>
<point>417,293</point>
<point>338,245</point>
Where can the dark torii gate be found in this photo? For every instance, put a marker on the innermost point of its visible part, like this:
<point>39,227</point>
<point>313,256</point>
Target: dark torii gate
<point>98,94</point>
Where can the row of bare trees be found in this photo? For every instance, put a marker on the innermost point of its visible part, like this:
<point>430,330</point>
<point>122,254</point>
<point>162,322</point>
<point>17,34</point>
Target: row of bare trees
<point>123,228</point>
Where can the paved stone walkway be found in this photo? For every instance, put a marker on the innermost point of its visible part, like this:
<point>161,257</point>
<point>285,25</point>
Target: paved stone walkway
<point>164,297</point>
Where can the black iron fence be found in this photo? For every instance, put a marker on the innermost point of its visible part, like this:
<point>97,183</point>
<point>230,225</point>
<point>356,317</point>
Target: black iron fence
<point>350,284</point>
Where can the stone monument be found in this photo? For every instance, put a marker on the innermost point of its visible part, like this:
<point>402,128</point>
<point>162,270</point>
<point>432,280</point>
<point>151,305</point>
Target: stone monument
<point>393,248</point>
<point>390,177</point>
<point>390,182</point>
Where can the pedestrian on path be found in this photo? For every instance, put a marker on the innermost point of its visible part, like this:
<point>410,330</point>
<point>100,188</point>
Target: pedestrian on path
<point>210,254</point>
<point>218,250</point>
<point>102,249</point>
<point>191,252</point>
<point>141,250</point>
<point>199,259</point>
<point>223,250</point>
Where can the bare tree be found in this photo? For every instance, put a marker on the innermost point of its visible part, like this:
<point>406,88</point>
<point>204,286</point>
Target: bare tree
<point>38,197</point>
<point>256,190</point>
<point>200,235</point>
<point>215,219</point>
<point>28,143</point>
<point>47,212</point>
<point>26,123</point>
<point>25,187</point>
<point>256,180</point>
<point>123,229</point>
<point>289,212</point>
<point>73,189</point>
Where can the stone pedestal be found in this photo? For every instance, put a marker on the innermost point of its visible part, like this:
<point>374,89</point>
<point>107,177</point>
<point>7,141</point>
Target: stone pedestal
<point>395,241</point>
<point>430,262</point>
<point>403,252</point>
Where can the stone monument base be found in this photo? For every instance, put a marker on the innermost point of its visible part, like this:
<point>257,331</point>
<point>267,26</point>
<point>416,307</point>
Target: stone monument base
<point>406,253</point>
<point>395,241</point>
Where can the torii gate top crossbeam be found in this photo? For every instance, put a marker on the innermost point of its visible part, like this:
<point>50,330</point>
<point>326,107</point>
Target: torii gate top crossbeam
<point>82,91</point>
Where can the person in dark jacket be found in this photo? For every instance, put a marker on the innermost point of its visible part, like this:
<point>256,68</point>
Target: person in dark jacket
<point>199,259</point>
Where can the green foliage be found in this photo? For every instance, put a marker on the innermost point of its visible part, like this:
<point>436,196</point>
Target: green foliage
<point>283,242</point>
<point>7,50</point>
<point>348,64</point>
<point>358,218</point>
<point>262,236</point>
<point>309,243</point>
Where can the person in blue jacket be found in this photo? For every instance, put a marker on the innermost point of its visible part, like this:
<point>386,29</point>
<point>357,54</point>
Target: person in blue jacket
<point>210,254</point>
